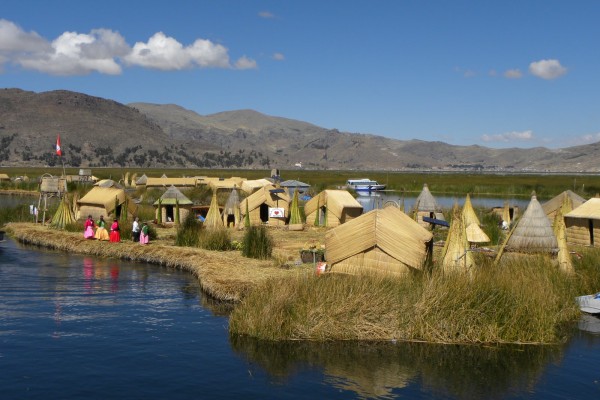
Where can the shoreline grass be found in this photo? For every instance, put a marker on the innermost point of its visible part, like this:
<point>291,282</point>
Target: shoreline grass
<point>525,301</point>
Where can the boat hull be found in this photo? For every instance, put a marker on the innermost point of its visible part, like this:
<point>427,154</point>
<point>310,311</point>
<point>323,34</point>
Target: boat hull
<point>589,304</point>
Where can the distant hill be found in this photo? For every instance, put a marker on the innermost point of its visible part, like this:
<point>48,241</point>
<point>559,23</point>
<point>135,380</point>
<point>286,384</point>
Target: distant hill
<point>102,132</point>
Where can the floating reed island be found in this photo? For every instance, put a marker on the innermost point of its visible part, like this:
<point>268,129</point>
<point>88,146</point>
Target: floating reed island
<point>525,300</point>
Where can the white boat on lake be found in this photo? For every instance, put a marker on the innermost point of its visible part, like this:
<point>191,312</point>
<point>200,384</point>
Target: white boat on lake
<point>590,303</point>
<point>364,185</point>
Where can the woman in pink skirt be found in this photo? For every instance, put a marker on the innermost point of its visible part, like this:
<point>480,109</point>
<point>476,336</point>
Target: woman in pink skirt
<point>88,233</point>
<point>144,234</point>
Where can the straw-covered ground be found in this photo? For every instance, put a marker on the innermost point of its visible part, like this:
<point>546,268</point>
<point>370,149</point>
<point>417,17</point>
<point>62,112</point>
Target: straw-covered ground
<point>224,275</point>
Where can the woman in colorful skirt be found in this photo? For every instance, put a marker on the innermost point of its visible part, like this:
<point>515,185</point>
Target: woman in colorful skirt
<point>88,233</point>
<point>101,232</point>
<point>144,234</point>
<point>115,236</point>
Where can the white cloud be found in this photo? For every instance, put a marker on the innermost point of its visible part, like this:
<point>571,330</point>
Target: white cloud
<point>508,136</point>
<point>513,74</point>
<point>106,51</point>
<point>166,53</point>
<point>266,14</point>
<point>469,73</point>
<point>78,54</point>
<point>278,57</point>
<point>14,39</point>
<point>245,63</point>
<point>547,69</point>
<point>492,72</point>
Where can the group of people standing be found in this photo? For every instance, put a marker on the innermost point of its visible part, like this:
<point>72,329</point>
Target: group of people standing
<point>97,230</point>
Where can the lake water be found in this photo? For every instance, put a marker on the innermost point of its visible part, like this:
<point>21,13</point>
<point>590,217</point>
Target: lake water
<point>75,327</point>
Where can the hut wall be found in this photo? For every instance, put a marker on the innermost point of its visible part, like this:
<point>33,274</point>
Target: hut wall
<point>578,231</point>
<point>373,261</point>
<point>94,211</point>
<point>310,218</point>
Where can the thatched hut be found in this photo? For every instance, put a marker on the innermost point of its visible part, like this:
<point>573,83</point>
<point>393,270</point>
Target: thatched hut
<point>332,208</point>
<point>169,201</point>
<point>583,224</point>
<point>456,255</point>
<point>4,178</point>
<point>213,217</point>
<point>225,184</point>
<point>268,205</point>
<point>231,212</point>
<point>427,206</point>
<point>533,232</point>
<point>471,224</point>
<point>102,200</point>
<point>567,201</point>
<point>385,241</point>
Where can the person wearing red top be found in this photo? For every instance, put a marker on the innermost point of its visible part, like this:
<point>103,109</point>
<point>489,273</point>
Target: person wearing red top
<point>115,236</point>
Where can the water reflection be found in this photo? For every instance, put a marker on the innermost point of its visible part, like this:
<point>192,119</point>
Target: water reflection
<point>382,370</point>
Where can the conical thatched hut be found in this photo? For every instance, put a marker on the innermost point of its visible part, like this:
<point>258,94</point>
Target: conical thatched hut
<point>566,202</point>
<point>268,205</point>
<point>231,211</point>
<point>456,255</point>
<point>471,224</point>
<point>332,208</point>
<point>383,241</point>
<point>533,232</point>
<point>583,224</point>
<point>213,217</point>
<point>101,201</point>
<point>427,206</point>
<point>168,203</point>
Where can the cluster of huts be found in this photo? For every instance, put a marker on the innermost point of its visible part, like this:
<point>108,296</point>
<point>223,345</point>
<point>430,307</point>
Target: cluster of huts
<point>383,240</point>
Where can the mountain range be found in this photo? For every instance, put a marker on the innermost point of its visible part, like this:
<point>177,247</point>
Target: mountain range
<point>99,132</point>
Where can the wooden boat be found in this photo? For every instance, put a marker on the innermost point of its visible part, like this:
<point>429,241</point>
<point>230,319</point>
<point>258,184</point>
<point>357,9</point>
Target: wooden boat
<point>590,303</point>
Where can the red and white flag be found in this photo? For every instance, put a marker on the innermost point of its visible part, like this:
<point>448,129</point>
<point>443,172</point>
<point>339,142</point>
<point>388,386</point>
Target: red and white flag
<point>58,150</point>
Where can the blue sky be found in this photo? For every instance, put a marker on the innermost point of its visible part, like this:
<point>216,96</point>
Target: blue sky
<point>492,73</point>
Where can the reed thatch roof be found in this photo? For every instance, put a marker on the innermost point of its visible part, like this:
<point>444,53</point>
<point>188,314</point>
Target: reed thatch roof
<point>468,213</point>
<point>569,198</point>
<point>166,182</point>
<point>475,234</point>
<point>294,184</point>
<point>104,197</point>
<point>588,210</point>
<point>426,202</point>
<point>225,184</point>
<point>388,229</point>
<point>141,180</point>
<point>4,177</point>
<point>173,196</point>
<point>250,186</point>
<point>335,201</point>
<point>533,232</point>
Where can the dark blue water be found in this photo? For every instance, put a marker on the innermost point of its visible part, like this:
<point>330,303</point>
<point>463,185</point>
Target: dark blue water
<point>75,327</point>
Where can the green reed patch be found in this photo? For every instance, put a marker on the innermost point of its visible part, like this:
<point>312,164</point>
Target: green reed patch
<point>257,243</point>
<point>527,300</point>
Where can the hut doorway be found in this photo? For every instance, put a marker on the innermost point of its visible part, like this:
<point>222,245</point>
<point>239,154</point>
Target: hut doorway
<point>264,213</point>
<point>323,215</point>
<point>169,213</point>
<point>230,221</point>
<point>591,227</point>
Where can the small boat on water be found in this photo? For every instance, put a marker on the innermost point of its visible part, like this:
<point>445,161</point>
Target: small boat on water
<point>590,303</point>
<point>364,185</point>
